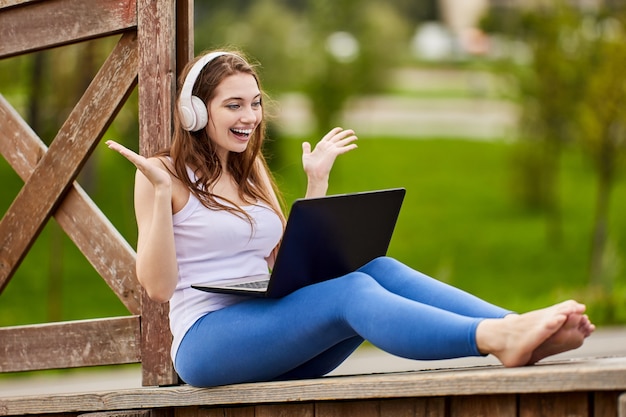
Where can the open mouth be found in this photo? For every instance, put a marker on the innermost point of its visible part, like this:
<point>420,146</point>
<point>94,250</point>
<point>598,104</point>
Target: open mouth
<point>242,133</point>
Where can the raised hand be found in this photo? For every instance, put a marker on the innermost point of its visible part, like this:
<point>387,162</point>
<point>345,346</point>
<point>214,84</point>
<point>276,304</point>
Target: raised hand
<point>152,169</point>
<point>317,163</point>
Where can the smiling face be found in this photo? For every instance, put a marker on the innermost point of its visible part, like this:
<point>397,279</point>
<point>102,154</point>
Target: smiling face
<point>234,114</point>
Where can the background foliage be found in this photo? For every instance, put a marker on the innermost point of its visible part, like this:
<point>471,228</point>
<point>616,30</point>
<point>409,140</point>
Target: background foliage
<point>463,220</point>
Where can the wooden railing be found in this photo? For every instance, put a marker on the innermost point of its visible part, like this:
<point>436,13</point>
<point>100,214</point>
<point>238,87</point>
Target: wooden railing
<point>156,41</point>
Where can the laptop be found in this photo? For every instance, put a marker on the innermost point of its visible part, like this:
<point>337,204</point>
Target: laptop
<point>325,238</point>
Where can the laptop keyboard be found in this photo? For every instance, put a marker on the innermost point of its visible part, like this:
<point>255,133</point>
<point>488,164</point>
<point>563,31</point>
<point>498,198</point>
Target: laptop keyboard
<point>253,284</point>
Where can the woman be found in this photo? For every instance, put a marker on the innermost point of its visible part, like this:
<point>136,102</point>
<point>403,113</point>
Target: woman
<point>208,210</point>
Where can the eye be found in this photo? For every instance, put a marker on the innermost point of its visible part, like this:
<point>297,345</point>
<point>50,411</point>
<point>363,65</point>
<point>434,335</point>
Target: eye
<point>233,106</point>
<point>256,104</point>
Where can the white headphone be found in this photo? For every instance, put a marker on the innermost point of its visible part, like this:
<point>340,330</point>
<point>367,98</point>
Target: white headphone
<point>192,110</point>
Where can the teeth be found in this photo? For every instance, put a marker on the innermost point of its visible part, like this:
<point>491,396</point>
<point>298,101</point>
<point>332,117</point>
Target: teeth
<point>242,131</point>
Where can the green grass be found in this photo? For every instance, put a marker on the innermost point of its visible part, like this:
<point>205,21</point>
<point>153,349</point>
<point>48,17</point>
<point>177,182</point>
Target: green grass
<point>460,223</point>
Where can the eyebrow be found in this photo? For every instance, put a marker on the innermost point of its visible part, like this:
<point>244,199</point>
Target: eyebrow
<point>240,98</point>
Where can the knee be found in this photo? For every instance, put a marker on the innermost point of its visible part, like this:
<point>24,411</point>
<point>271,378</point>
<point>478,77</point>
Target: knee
<point>381,263</point>
<point>357,281</point>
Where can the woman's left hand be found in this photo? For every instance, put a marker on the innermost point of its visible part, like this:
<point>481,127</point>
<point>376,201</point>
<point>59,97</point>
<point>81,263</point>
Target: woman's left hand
<point>318,162</point>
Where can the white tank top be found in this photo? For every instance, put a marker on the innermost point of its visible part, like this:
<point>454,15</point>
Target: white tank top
<point>220,247</point>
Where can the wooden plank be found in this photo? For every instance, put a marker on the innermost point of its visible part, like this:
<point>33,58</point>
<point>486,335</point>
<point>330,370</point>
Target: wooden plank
<point>349,408</point>
<point>163,412</point>
<point>68,152</point>
<point>33,26</point>
<point>571,404</point>
<point>104,247</point>
<point>602,374</point>
<point>70,344</point>
<point>157,73</point>
<point>484,405</point>
<point>217,412</point>
<point>285,410</point>
<point>605,404</point>
<point>622,406</point>
<point>156,341</point>
<point>184,33</point>
<point>156,30</point>
<point>414,407</point>
<point>5,4</point>
<point>121,413</point>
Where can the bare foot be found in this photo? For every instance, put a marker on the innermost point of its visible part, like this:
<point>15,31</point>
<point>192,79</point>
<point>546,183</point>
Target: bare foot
<point>570,336</point>
<point>514,338</point>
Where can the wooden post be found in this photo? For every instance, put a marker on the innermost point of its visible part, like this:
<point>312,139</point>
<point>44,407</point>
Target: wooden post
<point>158,23</point>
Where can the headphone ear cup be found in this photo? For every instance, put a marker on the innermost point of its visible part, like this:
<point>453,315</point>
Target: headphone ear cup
<point>202,116</point>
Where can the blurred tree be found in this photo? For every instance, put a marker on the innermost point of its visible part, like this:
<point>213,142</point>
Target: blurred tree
<point>572,90</point>
<point>549,86</point>
<point>294,42</point>
<point>338,68</point>
<point>603,125</point>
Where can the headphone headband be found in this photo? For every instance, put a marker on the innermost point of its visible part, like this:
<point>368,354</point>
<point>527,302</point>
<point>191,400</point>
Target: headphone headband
<point>192,110</point>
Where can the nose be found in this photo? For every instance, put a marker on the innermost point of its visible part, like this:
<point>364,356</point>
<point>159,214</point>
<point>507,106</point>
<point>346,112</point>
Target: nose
<point>250,115</point>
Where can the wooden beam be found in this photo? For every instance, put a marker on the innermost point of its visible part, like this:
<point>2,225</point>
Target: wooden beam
<point>572,376</point>
<point>156,28</point>
<point>30,26</point>
<point>70,344</point>
<point>184,33</point>
<point>104,247</point>
<point>157,73</point>
<point>121,413</point>
<point>554,404</point>
<point>68,152</point>
<point>12,3</point>
<point>483,405</point>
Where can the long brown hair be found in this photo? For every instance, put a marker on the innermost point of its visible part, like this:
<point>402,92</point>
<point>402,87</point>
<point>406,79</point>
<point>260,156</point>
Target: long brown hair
<point>197,151</point>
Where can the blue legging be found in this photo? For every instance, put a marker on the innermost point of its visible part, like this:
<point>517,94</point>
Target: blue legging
<point>313,330</point>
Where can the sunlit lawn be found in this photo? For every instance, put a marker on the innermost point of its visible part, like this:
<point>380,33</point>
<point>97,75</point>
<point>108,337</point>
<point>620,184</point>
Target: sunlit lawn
<point>461,222</point>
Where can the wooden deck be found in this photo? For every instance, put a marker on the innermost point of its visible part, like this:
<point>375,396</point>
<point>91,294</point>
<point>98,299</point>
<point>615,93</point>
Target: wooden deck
<point>579,387</point>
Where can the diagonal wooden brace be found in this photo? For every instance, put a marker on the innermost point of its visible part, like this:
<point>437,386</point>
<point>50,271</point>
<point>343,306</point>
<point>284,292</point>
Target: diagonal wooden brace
<point>55,172</point>
<point>105,248</point>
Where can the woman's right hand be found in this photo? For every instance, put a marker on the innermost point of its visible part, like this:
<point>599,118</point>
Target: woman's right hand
<point>153,171</point>
<point>157,267</point>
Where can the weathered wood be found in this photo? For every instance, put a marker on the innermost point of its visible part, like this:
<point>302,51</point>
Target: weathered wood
<point>483,405</point>
<point>5,4</point>
<point>68,152</point>
<point>156,341</point>
<point>95,236</point>
<point>157,78</point>
<point>605,403</point>
<point>249,411</point>
<point>50,23</point>
<point>413,407</point>
<point>349,408</point>
<point>157,85</point>
<point>590,375</point>
<point>184,33</point>
<point>30,25</point>
<point>122,413</point>
<point>574,404</point>
<point>70,344</point>
<point>285,410</point>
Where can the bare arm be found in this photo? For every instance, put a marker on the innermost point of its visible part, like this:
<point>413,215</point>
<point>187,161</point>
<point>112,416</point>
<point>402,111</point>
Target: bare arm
<point>317,163</point>
<point>157,267</point>
<point>267,184</point>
